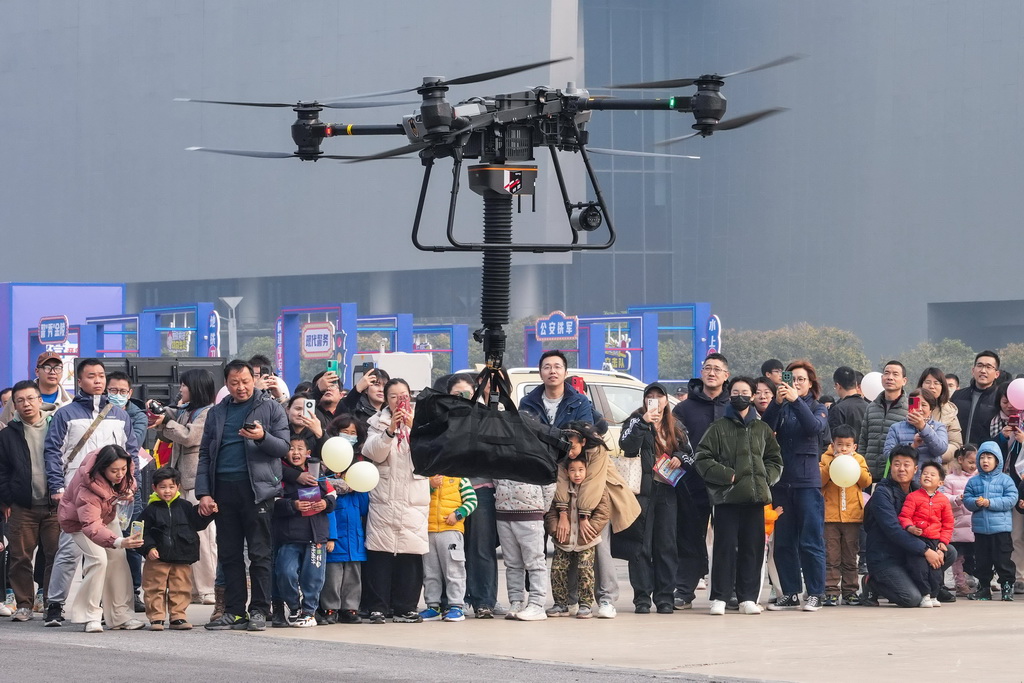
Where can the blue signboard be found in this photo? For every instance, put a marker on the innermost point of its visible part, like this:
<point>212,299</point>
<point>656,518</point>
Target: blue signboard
<point>714,335</point>
<point>53,329</point>
<point>557,326</point>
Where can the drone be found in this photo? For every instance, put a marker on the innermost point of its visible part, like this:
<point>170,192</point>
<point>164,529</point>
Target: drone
<point>503,131</point>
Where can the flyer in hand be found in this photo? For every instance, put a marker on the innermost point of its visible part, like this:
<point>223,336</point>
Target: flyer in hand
<point>311,494</point>
<point>665,474</point>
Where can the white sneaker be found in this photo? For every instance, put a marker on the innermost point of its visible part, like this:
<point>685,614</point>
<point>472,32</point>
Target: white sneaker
<point>531,613</point>
<point>23,614</point>
<point>606,610</point>
<point>94,627</point>
<point>5,611</point>
<point>717,607</point>
<point>574,608</point>
<point>926,601</point>
<point>702,584</point>
<point>936,603</point>
<point>749,607</point>
<point>130,625</point>
<point>515,608</point>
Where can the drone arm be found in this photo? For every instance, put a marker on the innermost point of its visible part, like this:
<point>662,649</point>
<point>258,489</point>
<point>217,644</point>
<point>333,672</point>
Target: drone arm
<point>680,104</point>
<point>335,129</point>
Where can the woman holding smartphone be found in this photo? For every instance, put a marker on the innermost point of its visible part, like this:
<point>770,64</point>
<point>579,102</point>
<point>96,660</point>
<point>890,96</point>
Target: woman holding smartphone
<point>304,421</point>
<point>93,510</point>
<point>652,431</point>
<point>396,525</point>
<point>183,428</point>
<point>933,380</point>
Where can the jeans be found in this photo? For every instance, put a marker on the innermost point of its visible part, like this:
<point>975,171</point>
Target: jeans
<point>481,554</point>
<point>301,565</point>
<point>799,539</point>
<point>240,522</point>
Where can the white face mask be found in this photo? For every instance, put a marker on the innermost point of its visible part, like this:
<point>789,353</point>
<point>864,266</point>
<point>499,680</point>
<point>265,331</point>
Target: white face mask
<point>118,400</point>
<point>351,438</point>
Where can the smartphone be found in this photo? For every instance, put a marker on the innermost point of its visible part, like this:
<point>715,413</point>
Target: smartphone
<point>137,528</point>
<point>249,425</point>
<point>652,404</point>
<point>914,403</point>
<point>578,384</point>
<point>332,366</point>
<point>359,371</point>
<point>309,408</point>
<point>787,377</point>
<point>1013,419</point>
<point>467,394</point>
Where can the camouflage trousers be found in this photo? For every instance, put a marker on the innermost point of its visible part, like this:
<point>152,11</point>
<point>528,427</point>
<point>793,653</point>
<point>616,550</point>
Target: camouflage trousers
<point>561,566</point>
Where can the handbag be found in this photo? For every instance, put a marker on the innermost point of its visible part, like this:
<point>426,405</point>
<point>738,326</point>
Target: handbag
<point>460,437</point>
<point>631,471</point>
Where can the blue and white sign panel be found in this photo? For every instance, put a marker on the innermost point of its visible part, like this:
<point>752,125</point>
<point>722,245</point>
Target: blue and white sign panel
<point>714,335</point>
<point>557,326</point>
<point>53,329</point>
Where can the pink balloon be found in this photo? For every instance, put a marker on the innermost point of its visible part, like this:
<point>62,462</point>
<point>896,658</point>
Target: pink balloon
<point>1015,393</point>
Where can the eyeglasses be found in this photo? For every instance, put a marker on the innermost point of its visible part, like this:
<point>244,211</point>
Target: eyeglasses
<point>714,369</point>
<point>801,380</point>
<point>119,392</point>
<point>25,400</point>
<point>985,366</point>
<point>52,369</point>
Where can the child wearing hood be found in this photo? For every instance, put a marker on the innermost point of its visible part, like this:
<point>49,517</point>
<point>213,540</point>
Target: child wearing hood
<point>990,496</point>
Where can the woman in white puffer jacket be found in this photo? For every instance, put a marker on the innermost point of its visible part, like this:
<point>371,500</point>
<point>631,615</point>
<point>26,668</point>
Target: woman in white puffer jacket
<point>396,526</point>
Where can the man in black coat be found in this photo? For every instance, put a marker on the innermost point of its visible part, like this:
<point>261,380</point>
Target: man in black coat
<point>977,403</point>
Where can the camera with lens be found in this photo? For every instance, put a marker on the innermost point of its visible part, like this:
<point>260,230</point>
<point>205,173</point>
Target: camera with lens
<point>157,408</point>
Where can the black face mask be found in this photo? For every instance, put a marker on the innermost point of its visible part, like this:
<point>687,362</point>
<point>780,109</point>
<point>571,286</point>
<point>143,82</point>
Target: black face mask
<point>739,403</point>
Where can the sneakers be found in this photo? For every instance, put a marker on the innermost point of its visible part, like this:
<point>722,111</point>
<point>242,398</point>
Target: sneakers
<point>1007,592</point>
<point>606,610</point>
<point>573,608</point>
<point>513,609</point>
<point>140,607</point>
<point>483,612</point>
<point>557,611</point>
<point>785,602</point>
<point>717,607</point>
<point>1018,588</point>
<point>407,618</point>
<point>499,610</point>
<point>454,613</point>
<point>851,599</point>
<point>944,595</point>
<point>304,620</point>
<point>813,603</point>
<point>983,593</point>
<point>377,618</point>
<point>643,608</point>
<point>749,607</point>
<point>349,616</point>
<point>584,612</point>
<point>531,613</point>
<point>156,626</point>
<point>54,614</point>
<point>257,622</point>
<point>94,627</point>
<point>926,601</point>
<point>227,622</point>
<point>5,611</point>
<point>679,603</point>
<point>432,613</point>
<point>180,625</point>
<point>40,603</point>
<point>130,625</point>
<point>22,614</point>
<point>831,601</point>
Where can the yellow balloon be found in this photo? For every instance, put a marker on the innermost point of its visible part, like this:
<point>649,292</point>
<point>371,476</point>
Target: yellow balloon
<point>362,476</point>
<point>336,454</point>
<point>844,471</point>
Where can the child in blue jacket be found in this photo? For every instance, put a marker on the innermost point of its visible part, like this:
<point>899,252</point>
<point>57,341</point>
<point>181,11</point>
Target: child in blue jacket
<point>990,496</point>
<point>346,549</point>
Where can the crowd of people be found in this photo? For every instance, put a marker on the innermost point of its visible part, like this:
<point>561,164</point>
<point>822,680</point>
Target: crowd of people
<point>241,512</point>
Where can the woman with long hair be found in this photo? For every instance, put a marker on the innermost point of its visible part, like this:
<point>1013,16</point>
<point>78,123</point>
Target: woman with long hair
<point>799,422</point>
<point>183,428</point>
<point>94,510</point>
<point>652,431</point>
<point>933,380</point>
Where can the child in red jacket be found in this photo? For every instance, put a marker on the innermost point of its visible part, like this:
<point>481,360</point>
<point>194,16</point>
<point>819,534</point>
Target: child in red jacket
<point>928,514</point>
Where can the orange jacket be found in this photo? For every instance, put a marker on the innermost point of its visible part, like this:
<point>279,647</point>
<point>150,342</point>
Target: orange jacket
<point>843,505</point>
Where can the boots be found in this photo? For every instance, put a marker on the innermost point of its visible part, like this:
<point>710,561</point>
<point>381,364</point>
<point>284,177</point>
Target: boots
<point>218,603</point>
<point>279,614</point>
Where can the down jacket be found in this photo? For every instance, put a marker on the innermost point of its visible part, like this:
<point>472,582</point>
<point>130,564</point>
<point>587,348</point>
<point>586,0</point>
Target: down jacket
<point>932,514</point>
<point>934,440</point>
<point>739,459</point>
<point>998,488</point>
<point>879,416</point>
<point>843,505</point>
<point>90,504</point>
<point>953,487</point>
<point>346,527</point>
<point>263,459</point>
<point>397,519</point>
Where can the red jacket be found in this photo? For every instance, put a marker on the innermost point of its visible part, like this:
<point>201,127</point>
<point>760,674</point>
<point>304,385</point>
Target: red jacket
<point>932,514</point>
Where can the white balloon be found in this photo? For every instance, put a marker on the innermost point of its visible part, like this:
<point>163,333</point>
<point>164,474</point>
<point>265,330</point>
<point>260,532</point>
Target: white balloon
<point>362,476</point>
<point>221,394</point>
<point>844,471</point>
<point>871,385</point>
<point>336,454</point>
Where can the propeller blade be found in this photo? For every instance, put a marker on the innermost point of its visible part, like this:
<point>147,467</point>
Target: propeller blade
<point>628,153</point>
<point>777,62</point>
<point>654,85</point>
<point>244,153</point>
<point>363,104</point>
<point>240,104</point>
<point>498,73</point>
<point>407,149</point>
<point>741,121</point>
<point>672,141</point>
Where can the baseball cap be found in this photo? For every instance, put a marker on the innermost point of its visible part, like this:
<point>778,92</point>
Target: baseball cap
<point>48,355</point>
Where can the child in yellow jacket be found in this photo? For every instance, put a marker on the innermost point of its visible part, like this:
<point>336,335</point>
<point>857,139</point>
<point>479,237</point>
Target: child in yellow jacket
<point>844,515</point>
<point>452,499</point>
